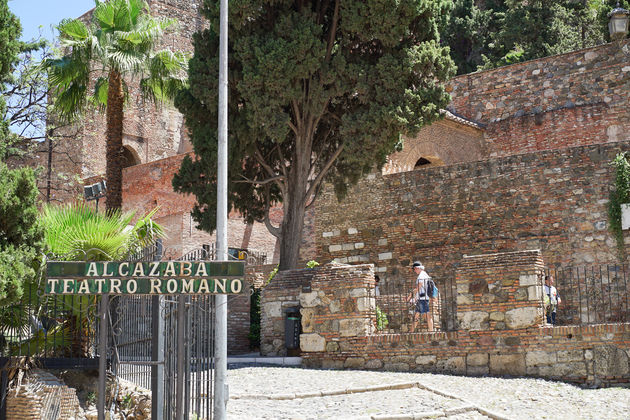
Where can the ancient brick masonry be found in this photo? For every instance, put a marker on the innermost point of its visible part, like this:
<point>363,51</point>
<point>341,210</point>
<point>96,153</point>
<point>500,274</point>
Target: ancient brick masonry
<point>505,336</point>
<point>282,293</point>
<point>500,291</point>
<point>576,98</point>
<point>555,201</point>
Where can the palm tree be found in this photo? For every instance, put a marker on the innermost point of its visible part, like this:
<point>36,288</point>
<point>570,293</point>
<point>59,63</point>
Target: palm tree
<point>74,232</point>
<point>118,45</point>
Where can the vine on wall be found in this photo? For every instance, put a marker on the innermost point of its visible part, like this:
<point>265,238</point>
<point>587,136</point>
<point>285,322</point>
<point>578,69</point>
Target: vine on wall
<point>618,196</point>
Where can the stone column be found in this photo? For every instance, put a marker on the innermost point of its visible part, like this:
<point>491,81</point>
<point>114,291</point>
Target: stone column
<point>336,313</point>
<point>500,291</point>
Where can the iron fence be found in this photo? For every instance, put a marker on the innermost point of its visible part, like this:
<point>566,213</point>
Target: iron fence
<point>49,326</point>
<point>592,294</point>
<point>395,303</point>
<point>208,251</point>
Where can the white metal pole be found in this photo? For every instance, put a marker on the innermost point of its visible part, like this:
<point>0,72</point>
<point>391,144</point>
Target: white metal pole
<point>220,346</point>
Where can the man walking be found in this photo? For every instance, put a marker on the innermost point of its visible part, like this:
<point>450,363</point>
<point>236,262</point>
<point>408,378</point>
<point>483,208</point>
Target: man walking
<point>419,295</point>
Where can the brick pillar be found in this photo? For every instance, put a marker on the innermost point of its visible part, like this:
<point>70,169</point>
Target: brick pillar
<point>500,291</point>
<point>337,313</point>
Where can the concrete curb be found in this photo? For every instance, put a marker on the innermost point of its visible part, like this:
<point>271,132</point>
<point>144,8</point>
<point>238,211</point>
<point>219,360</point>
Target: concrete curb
<point>283,361</point>
<point>404,385</point>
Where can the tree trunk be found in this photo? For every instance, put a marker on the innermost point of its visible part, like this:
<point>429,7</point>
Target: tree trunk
<point>113,171</point>
<point>293,204</point>
<point>292,224</point>
<point>49,166</point>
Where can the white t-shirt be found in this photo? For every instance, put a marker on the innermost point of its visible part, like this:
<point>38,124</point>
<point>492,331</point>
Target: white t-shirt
<point>552,293</point>
<point>421,283</point>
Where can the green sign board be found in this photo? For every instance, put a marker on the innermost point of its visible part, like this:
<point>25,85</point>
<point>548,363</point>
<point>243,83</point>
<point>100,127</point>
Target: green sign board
<point>145,278</point>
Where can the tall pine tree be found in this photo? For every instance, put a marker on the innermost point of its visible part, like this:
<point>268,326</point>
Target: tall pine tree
<point>21,236</point>
<point>492,33</point>
<point>319,91</point>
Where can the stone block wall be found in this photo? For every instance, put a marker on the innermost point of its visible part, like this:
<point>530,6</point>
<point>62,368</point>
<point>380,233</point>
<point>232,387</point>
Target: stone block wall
<point>576,98</point>
<point>597,355</point>
<point>500,291</point>
<point>280,294</point>
<point>337,309</point>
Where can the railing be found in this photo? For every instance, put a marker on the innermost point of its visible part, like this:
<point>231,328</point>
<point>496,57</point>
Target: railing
<point>208,251</point>
<point>49,326</point>
<point>592,294</point>
<point>395,310</point>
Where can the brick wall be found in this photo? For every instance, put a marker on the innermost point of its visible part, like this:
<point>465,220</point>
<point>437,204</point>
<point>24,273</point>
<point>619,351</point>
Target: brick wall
<point>148,186</point>
<point>555,201</point>
<point>151,132</point>
<point>338,336</point>
<point>238,322</point>
<point>575,98</point>
<point>444,142</point>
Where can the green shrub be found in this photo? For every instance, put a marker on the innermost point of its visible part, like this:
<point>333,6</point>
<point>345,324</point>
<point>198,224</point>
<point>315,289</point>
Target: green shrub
<point>620,195</point>
<point>381,319</point>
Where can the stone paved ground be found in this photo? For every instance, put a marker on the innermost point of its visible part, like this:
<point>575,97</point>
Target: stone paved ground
<point>295,393</point>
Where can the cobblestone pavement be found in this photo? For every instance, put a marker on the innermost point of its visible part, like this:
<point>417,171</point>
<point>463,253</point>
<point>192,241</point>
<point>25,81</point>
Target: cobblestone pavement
<point>295,393</point>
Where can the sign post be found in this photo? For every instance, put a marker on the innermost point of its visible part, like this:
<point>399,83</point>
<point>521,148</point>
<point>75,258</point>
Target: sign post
<point>155,278</point>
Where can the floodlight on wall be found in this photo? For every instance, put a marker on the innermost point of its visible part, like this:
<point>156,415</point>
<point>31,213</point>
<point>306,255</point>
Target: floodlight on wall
<point>95,192</point>
<point>618,23</point>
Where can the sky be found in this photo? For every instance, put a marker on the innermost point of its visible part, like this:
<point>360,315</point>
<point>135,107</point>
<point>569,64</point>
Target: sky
<point>41,15</point>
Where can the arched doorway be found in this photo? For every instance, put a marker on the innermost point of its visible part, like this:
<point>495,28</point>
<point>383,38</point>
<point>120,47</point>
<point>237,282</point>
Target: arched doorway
<point>129,157</point>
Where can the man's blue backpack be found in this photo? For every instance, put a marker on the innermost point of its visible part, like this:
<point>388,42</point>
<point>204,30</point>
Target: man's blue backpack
<point>432,290</point>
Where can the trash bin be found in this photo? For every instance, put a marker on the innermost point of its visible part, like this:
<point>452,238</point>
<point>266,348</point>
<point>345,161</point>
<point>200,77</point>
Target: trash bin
<point>292,328</point>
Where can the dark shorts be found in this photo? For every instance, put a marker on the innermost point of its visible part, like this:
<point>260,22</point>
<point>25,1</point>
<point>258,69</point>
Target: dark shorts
<point>422,306</point>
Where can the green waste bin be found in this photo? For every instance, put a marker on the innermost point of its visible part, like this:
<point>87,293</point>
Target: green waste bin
<point>292,328</point>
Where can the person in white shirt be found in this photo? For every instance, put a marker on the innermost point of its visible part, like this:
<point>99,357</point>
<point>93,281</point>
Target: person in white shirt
<point>552,301</point>
<point>420,297</point>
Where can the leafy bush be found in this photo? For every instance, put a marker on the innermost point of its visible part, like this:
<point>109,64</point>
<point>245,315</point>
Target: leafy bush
<point>381,319</point>
<point>620,195</point>
<point>21,234</point>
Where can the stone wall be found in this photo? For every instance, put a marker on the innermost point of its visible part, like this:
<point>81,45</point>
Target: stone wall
<point>555,201</point>
<point>576,98</point>
<point>500,291</point>
<point>280,294</point>
<point>337,309</point>
<point>518,344</point>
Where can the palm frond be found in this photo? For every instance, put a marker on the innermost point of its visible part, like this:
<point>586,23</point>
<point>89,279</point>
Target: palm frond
<point>73,30</point>
<point>70,102</point>
<point>76,231</point>
<point>104,15</point>
<point>166,76</point>
<point>126,61</point>
<point>100,93</point>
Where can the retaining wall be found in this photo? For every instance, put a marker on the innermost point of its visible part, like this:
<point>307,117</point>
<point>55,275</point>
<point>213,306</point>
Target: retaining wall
<point>338,332</point>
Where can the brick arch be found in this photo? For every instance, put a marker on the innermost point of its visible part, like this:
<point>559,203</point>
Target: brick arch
<point>130,157</point>
<point>406,160</point>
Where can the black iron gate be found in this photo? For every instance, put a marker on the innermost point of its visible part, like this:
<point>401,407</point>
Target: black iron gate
<point>165,344</point>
